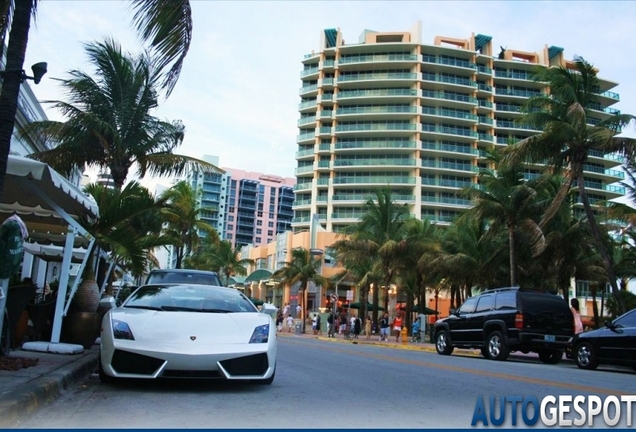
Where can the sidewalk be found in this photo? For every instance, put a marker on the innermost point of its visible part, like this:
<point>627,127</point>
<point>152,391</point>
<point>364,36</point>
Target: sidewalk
<point>23,391</point>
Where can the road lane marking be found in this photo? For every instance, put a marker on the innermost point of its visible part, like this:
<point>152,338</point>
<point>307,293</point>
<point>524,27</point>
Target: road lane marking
<point>537,381</point>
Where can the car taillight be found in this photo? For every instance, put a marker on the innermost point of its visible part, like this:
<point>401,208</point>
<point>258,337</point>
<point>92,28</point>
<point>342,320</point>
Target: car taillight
<point>519,321</point>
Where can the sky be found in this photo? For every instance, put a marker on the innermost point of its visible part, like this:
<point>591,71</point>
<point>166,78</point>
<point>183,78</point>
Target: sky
<point>238,91</point>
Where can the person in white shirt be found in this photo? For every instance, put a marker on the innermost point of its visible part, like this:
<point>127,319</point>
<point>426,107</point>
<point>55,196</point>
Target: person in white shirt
<point>290,323</point>
<point>298,309</point>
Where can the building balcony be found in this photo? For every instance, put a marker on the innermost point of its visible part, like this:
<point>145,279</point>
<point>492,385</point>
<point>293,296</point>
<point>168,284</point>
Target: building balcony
<point>385,109</point>
<point>377,76</point>
<point>375,162</point>
<point>372,93</point>
<point>325,113</point>
<point>308,89</point>
<point>302,186</point>
<point>309,136</point>
<point>455,81</point>
<point>324,148</point>
<point>449,166</point>
<point>483,70</point>
<point>309,71</point>
<point>304,169</point>
<point>301,219</point>
<point>322,182</point>
<point>376,58</point>
<point>375,144</point>
<point>442,112</point>
<point>307,104</point>
<point>608,156</point>
<point>516,93</point>
<point>449,96</point>
<point>307,120</point>
<point>446,200</point>
<point>448,130</point>
<point>448,61</point>
<point>525,76</point>
<point>384,180</point>
<point>381,127</point>
<point>304,153</point>
<point>456,184</point>
<point>448,148</point>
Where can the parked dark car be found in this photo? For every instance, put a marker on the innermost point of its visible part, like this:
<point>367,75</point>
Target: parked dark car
<point>614,343</point>
<point>501,320</point>
<point>183,277</point>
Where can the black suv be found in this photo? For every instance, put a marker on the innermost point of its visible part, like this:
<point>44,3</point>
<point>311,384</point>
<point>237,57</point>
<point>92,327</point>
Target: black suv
<point>502,320</point>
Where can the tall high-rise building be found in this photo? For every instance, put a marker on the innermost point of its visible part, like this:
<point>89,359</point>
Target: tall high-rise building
<point>244,207</point>
<point>392,111</point>
<point>259,206</point>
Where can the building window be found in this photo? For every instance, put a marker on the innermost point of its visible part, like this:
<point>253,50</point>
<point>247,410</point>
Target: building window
<point>271,215</point>
<point>260,214</point>
<point>230,218</point>
<point>270,233</point>
<point>259,231</point>
<point>229,236</point>
<point>270,224</point>
<point>259,223</point>
<point>258,239</point>
<point>230,226</point>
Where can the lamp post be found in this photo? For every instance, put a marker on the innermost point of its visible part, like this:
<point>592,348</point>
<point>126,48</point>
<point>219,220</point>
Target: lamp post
<point>39,69</point>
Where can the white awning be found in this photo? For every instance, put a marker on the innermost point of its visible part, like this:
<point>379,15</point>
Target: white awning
<point>59,189</point>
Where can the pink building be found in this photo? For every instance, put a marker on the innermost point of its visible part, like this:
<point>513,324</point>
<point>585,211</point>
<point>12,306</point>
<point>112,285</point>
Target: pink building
<point>259,206</point>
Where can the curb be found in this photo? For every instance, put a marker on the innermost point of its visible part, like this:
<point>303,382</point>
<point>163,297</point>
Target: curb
<point>18,405</point>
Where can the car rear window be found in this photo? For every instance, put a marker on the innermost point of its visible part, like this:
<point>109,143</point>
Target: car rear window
<point>183,278</point>
<point>543,302</point>
<point>506,300</point>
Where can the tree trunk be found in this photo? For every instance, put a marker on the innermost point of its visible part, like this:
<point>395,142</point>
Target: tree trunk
<point>376,301</point>
<point>362,299</point>
<point>513,256</point>
<point>600,244</point>
<point>18,38</point>
<point>595,306</point>
<point>179,257</point>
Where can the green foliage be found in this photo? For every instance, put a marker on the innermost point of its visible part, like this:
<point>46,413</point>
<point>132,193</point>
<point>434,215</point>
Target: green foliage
<point>629,300</point>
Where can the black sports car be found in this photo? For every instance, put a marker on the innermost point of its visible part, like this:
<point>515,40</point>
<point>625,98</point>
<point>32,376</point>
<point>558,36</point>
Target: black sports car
<point>614,343</point>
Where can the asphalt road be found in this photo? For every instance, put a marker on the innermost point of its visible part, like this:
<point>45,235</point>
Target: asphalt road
<point>329,385</point>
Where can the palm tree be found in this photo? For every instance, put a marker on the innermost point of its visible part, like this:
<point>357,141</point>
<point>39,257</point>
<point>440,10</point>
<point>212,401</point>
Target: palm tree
<point>378,234</point>
<point>222,258</point>
<point>109,122</point>
<point>117,230</point>
<point>358,266</point>
<point>183,223</point>
<point>302,269</point>
<point>567,139</point>
<point>506,200</point>
<point>166,25</point>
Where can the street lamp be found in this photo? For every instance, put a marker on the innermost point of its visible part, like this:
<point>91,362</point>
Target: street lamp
<point>39,69</point>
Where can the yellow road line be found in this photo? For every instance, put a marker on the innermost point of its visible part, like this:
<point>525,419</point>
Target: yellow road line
<point>507,377</point>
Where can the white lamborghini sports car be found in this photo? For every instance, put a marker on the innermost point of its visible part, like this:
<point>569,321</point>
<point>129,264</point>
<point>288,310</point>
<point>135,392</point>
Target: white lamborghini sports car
<point>188,331</point>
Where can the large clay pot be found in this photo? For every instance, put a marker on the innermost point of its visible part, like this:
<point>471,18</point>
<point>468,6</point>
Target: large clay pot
<point>81,328</point>
<point>87,297</point>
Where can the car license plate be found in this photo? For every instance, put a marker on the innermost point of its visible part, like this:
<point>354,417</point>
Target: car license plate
<point>549,338</point>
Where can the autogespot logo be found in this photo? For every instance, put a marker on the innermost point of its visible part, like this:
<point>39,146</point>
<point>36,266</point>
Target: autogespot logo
<point>561,410</point>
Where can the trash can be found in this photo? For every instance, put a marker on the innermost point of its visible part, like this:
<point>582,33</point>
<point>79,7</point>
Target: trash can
<point>299,327</point>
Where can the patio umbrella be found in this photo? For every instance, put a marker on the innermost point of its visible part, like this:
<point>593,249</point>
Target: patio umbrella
<point>256,301</point>
<point>426,311</point>
<point>357,305</point>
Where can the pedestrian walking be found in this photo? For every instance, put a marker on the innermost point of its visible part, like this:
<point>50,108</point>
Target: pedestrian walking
<point>313,324</point>
<point>367,327</point>
<point>290,323</point>
<point>384,327</point>
<point>330,326</point>
<point>279,322</point>
<point>318,330</point>
<point>357,327</point>
<point>397,326</point>
<point>578,324</point>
